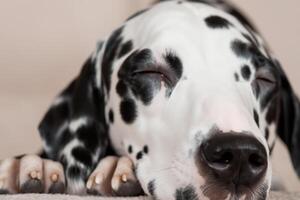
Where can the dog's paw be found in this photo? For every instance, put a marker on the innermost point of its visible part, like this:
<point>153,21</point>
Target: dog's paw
<point>114,177</point>
<point>31,174</point>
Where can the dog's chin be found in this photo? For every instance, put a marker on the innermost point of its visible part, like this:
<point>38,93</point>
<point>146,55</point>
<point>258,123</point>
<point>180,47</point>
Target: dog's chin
<point>232,192</point>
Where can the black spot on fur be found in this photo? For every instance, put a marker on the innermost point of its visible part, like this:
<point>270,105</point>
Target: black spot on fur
<point>74,172</point>
<point>240,48</point>
<point>236,77</point>
<point>63,160</point>
<point>256,118</point>
<point>217,22</point>
<point>137,14</point>
<point>109,56</point>
<point>128,110</point>
<point>246,72</point>
<point>65,137</point>
<point>186,193</point>
<point>53,121</point>
<point>146,149</point>
<point>272,112</point>
<point>175,63</point>
<point>138,72</point>
<point>267,133</point>
<point>89,135</point>
<point>130,149</point>
<point>125,48</point>
<point>121,88</point>
<point>151,187</point>
<point>82,155</point>
<point>139,155</point>
<point>111,116</point>
<point>249,52</point>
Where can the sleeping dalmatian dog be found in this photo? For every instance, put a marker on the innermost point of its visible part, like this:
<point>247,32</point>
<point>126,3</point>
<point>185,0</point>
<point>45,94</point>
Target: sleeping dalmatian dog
<point>183,101</point>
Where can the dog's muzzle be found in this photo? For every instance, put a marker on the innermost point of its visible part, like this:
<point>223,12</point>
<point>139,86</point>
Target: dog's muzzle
<point>234,159</point>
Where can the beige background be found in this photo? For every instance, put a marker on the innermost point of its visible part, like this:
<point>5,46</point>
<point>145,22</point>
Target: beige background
<point>44,42</point>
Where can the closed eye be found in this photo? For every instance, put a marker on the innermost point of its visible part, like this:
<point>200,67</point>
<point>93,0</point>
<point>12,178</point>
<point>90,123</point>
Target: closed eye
<point>156,72</point>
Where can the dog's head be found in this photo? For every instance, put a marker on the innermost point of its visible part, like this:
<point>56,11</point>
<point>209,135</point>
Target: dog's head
<point>193,95</point>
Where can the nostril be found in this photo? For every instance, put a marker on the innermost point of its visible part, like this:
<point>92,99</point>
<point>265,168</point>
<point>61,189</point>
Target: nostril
<point>256,160</point>
<point>223,158</point>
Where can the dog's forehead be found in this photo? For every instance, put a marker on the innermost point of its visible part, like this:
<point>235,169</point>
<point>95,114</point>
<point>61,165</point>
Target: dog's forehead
<point>202,37</point>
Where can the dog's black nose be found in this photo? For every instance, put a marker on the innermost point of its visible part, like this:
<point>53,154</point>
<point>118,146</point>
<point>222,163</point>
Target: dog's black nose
<point>232,158</point>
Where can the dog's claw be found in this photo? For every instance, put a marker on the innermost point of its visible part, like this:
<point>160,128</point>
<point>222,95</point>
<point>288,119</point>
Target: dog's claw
<point>33,175</point>
<point>124,178</point>
<point>99,179</point>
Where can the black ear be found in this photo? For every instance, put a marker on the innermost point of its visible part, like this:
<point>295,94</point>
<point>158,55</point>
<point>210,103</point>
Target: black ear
<point>82,98</point>
<point>288,118</point>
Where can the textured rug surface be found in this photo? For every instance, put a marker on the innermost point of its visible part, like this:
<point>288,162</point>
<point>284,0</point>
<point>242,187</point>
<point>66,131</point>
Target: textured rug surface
<point>273,196</point>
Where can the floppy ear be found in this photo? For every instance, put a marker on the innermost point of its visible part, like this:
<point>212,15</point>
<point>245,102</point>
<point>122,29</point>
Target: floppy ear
<point>82,99</point>
<point>288,119</point>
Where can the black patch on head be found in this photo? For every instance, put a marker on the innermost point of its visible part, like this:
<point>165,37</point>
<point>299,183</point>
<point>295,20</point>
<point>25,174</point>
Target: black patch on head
<point>256,118</point>
<point>130,149</point>
<point>240,48</point>
<point>128,110</point>
<point>146,149</point>
<point>136,14</point>
<point>111,49</point>
<point>89,135</point>
<point>216,22</point>
<point>125,48</point>
<point>121,88</point>
<point>236,77</point>
<point>139,155</point>
<point>246,72</point>
<point>174,63</point>
<point>249,51</point>
<point>111,116</point>
<point>151,187</point>
<point>138,73</point>
<point>82,155</point>
<point>267,133</point>
<point>186,193</point>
